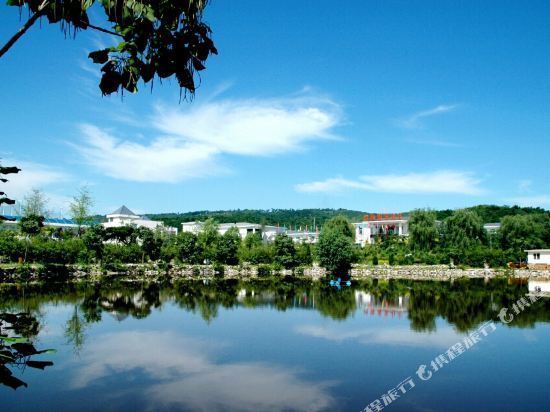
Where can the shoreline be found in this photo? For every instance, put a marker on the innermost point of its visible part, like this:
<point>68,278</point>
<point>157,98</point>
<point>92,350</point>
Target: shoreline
<point>25,273</point>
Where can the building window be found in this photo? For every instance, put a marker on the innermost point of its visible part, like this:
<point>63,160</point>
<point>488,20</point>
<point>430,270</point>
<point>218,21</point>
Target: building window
<point>536,256</point>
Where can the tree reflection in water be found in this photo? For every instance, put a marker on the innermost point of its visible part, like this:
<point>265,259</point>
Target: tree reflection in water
<point>463,303</point>
<point>16,347</point>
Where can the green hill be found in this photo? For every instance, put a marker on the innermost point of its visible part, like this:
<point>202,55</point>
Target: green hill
<point>291,218</point>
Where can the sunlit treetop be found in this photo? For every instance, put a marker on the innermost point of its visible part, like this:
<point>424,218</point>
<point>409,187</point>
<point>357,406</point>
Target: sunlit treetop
<point>158,38</point>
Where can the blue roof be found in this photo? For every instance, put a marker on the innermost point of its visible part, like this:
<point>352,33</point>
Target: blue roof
<point>50,220</point>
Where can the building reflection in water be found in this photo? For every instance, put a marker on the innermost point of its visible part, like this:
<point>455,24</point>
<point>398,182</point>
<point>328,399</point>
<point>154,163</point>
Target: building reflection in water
<point>377,306</point>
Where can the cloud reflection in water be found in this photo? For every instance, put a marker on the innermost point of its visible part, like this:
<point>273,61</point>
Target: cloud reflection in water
<point>187,377</point>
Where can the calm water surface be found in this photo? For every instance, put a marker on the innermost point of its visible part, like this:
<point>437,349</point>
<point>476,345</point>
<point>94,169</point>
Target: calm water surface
<point>273,346</point>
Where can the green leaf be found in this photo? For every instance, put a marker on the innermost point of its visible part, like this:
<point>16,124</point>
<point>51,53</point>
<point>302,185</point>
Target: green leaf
<point>87,4</point>
<point>13,340</point>
<point>99,56</point>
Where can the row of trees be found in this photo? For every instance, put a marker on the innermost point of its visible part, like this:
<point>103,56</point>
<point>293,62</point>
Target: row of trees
<point>296,218</point>
<point>128,244</point>
<point>462,237</point>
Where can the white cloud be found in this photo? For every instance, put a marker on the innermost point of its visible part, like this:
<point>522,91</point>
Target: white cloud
<point>398,336</point>
<point>164,159</point>
<point>192,142</point>
<point>442,181</point>
<point>414,121</point>
<point>35,176</point>
<point>186,376</point>
<point>532,201</point>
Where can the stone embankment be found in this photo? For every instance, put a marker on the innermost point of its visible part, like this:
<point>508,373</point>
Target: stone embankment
<point>153,271</point>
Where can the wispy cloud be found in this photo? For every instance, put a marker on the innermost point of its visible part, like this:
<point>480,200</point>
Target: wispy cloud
<point>394,336</point>
<point>164,159</point>
<point>532,201</point>
<point>187,376</point>
<point>35,176</point>
<point>414,121</point>
<point>441,181</point>
<point>190,142</point>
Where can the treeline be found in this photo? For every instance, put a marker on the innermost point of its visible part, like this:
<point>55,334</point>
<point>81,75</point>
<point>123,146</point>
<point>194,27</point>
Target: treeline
<point>494,213</point>
<point>296,218</point>
<point>459,239</point>
<point>129,244</point>
<point>289,218</point>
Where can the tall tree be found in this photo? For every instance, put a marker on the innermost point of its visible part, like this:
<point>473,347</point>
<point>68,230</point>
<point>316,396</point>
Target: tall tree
<point>151,243</point>
<point>464,229</point>
<point>157,38</point>
<point>521,232</point>
<point>93,239</point>
<point>188,248</point>
<point>34,204</point>
<point>423,231</point>
<point>285,252</point>
<point>208,240</point>
<point>228,247</point>
<point>81,207</point>
<point>335,247</point>
<point>340,224</point>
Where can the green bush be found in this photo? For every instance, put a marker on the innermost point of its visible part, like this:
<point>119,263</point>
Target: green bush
<point>118,253</point>
<point>219,270</point>
<point>265,270</point>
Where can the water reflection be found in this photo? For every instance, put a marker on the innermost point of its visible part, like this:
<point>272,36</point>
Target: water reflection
<point>464,304</point>
<point>17,332</point>
<point>154,346</point>
<point>184,374</point>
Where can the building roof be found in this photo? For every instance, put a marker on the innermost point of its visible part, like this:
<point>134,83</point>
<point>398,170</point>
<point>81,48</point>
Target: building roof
<point>123,210</point>
<point>537,250</point>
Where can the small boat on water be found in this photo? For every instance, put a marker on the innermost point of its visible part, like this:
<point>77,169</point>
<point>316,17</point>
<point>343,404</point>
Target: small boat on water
<point>338,283</point>
<point>539,287</point>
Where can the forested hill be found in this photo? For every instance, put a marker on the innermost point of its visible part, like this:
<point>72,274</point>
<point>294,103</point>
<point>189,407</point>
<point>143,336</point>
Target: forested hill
<point>289,218</point>
<point>301,217</point>
<point>494,214</point>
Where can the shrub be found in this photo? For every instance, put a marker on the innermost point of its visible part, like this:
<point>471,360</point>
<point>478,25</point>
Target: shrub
<point>219,270</point>
<point>265,270</point>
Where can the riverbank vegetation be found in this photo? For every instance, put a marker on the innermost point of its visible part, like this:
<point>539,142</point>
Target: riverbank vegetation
<point>460,239</point>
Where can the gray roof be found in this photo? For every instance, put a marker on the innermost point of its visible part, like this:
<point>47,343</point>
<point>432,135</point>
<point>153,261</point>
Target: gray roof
<point>123,210</point>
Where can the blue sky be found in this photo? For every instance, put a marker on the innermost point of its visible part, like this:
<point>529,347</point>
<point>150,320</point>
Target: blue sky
<point>376,105</point>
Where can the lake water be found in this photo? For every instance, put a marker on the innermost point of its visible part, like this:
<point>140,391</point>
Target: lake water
<point>277,346</point>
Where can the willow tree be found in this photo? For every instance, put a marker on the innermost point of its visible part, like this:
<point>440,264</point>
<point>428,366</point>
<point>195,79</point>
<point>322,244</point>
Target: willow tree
<point>423,231</point>
<point>156,38</point>
<point>464,229</point>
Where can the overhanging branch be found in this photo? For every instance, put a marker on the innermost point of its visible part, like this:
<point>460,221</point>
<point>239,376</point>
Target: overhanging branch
<point>25,27</point>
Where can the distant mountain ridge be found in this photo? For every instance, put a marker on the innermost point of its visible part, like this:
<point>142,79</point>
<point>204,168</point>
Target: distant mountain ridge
<point>296,218</point>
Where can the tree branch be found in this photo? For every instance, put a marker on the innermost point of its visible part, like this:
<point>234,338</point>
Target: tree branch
<point>91,26</point>
<point>25,27</point>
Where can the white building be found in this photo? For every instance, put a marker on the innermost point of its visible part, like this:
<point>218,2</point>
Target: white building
<point>491,227</point>
<point>267,232</point>
<point>300,236</point>
<point>125,217</point>
<point>538,258</point>
<point>380,224</point>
